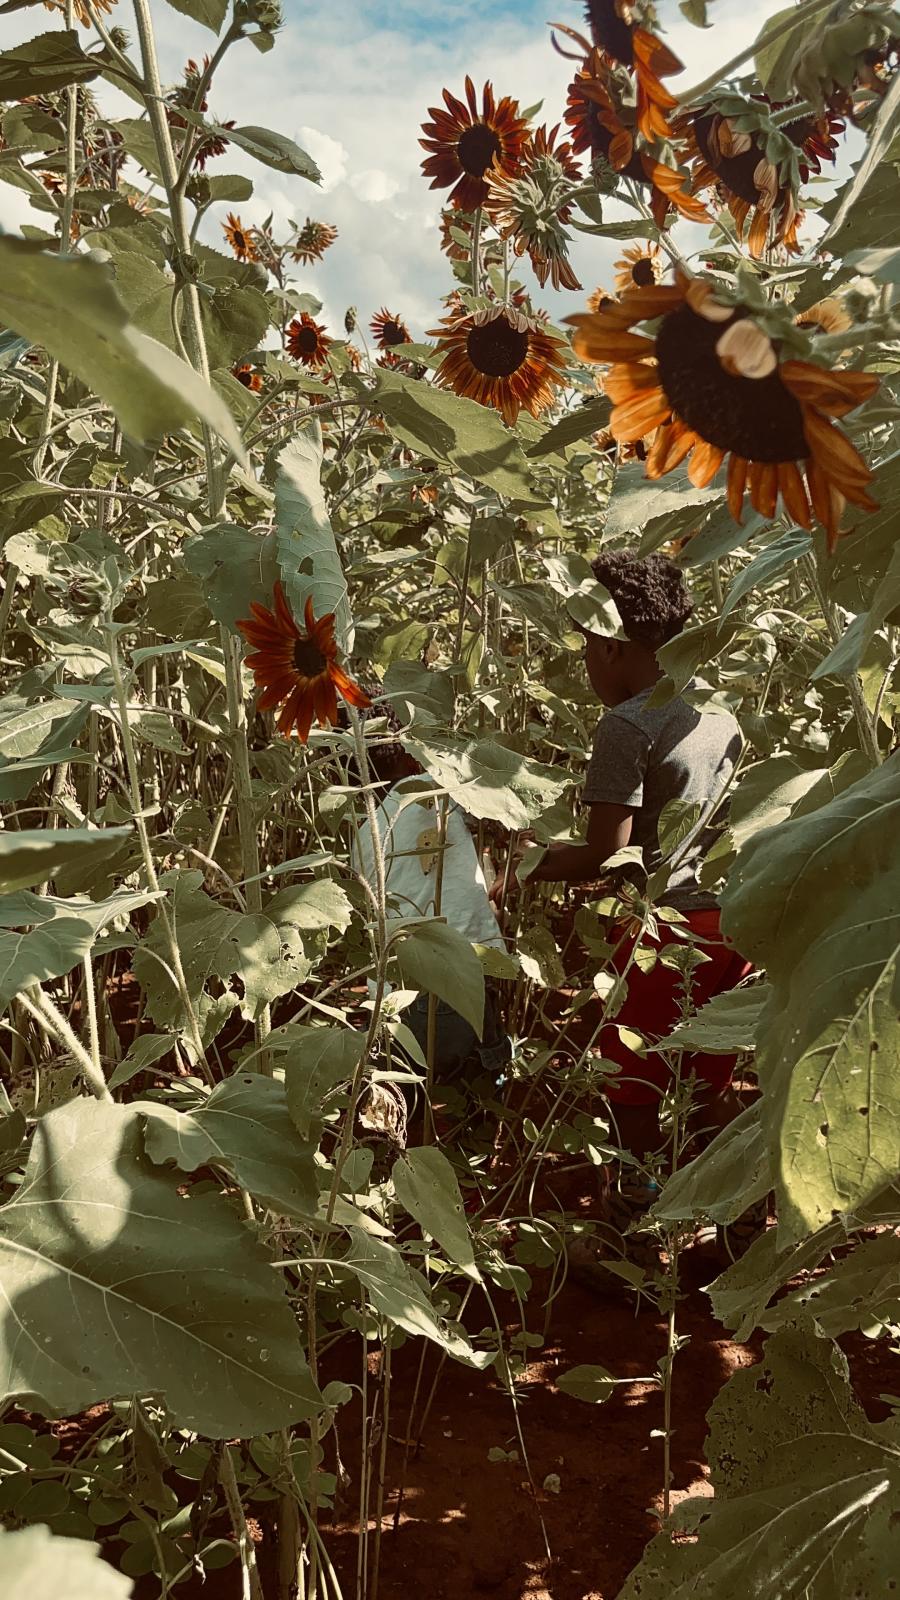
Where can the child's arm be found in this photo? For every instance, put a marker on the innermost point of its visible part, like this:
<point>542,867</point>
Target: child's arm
<point>608,830</point>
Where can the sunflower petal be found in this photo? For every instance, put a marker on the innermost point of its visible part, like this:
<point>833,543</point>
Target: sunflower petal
<point>705,463</point>
<point>637,416</point>
<point>736,485</point>
<point>793,493</point>
<point>833,392</point>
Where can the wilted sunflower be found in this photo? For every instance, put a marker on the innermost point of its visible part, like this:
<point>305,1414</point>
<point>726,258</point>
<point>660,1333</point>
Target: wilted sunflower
<point>711,383</point>
<point>638,268</point>
<point>388,330</point>
<point>501,358</point>
<point>614,31</point>
<point>464,144</point>
<point>532,206</point>
<point>248,376</point>
<point>600,123</point>
<point>296,671</point>
<point>736,161</point>
<point>307,341</point>
<point>241,239</point>
<point>80,11</point>
<point>312,241</point>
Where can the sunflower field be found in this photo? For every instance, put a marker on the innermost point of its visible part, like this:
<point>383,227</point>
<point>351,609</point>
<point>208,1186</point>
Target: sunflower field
<point>289,1310</point>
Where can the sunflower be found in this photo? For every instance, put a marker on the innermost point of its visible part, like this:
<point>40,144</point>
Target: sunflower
<point>307,341</point>
<point>501,358</point>
<point>297,671</point>
<point>455,222</point>
<point>248,376</point>
<point>730,157</point>
<point>614,31</point>
<point>312,240</point>
<point>241,239</point>
<point>388,330</point>
<point>600,123</point>
<point>601,301</point>
<point>711,382</point>
<point>638,268</point>
<point>826,316</point>
<point>532,206</point>
<point>465,144</point>
<point>79,8</point>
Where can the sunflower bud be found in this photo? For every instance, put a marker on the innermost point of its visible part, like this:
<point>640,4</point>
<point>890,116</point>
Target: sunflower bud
<point>350,319</point>
<point>198,190</point>
<point>265,14</point>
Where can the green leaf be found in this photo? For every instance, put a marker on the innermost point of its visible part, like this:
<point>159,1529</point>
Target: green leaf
<point>121,1286</point>
<point>731,1174</point>
<point>883,264</point>
<point>767,565</point>
<point>488,780</point>
<point>59,935</point>
<point>865,210</point>
<point>401,1295</point>
<point>144,1052</point>
<point>859,1292</point>
<point>593,1384</point>
<point>45,63</point>
<point>34,855</point>
<point>726,1025</point>
<point>234,566</point>
<point>70,306</point>
<point>211,13</point>
<point>245,1127</point>
<point>437,959</point>
<point>36,1564</point>
<point>636,502</point>
<point>814,902</point>
<point>775,60</point>
<point>693,648</point>
<point>231,187</point>
<point>316,1061</point>
<point>540,958</point>
<point>426,1186</point>
<point>272,149</point>
<point>307,553</point>
<point>573,427</point>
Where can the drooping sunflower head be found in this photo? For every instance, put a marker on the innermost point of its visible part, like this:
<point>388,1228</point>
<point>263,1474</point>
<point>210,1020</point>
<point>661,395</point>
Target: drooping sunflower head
<point>533,206</point>
<point>713,385</point>
<point>241,239</point>
<point>312,240</point>
<point>81,14</point>
<point>638,268</point>
<point>501,358</point>
<point>295,670</point>
<point>307,341</point>
<point>248,376</point>
<point>622,34</point>
<point>389,330</point>
<point>464,144</point>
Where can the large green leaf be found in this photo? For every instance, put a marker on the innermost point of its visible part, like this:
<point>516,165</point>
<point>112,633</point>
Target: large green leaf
<point>488,780</point>
<point>245,1127</point>
<point>432,956</point>
<point>307,552</point>
<point>426,1186</point>
<point>272,149</point>
<point>636,501</point>
<point>36,1564</point>
<point>806,1491</point>
<point>401,1295</point>
<point>768,564</point>
<point>42,938</point>
<point>732,1173</point>
<point>315,1062</point>
<point>860,196</point>
<point>234,566</point>
<point>114,1285</point>
<point>211,13</point>
<point>45,63</point>
<point>725,1025</point>
<point>571,429</point>
<point>860,1291</point>
<point>34,855</point>
<point>70,306</point>
<point>814,902</point>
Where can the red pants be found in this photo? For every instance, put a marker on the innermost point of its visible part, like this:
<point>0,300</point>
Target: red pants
<point>652,1007</point>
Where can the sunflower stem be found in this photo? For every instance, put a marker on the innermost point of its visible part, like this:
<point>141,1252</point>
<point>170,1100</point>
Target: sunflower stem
<point>867,731</point>
<point>802,13</point>
<point>476,253</point>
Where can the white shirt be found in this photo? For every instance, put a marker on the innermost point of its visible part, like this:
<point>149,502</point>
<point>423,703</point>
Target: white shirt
<point>409,832</point>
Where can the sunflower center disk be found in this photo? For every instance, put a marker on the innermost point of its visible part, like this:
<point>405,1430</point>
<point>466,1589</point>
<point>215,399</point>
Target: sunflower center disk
<point>393,333</point>
<point>308,341</point>
<point>477,148</point>
<point>642,273</point>
<point>496,349</point>
<point>756,418</point>
<point>610,30</point>
<point>308,658</point>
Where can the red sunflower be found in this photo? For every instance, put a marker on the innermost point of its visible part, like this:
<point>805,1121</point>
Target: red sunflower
<point>501,358</point>
<point>712,384</point>
<point>297,671</point>
<point>614,31</point>
<point>312,240</point>
<point>464,144</point>
<point>388,330</point>
<point>307,341</point>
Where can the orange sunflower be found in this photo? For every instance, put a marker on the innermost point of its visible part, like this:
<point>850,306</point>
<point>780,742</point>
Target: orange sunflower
<point>241,239</point>
<point>312,240</point>
<point>711,382</point>
<point>637,269</point>
<point>307,341</point>
<point>464,144</point>
<point>297,671</point>
<point>388,330</point>
<point>826,316</point>
<point>600,123</point>
<point>501,358</point>
<point>735,160</point>
<point>80,12</point>
<point>248,376</point>
<point>614,31</point>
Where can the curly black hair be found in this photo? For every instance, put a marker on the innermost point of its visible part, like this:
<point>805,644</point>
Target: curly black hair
<point>650,593</point>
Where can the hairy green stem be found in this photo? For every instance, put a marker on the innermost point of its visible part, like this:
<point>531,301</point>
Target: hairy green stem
<point>39,1006</point>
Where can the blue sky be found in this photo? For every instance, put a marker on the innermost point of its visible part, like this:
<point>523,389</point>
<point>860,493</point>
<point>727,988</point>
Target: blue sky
<point>351,80</point>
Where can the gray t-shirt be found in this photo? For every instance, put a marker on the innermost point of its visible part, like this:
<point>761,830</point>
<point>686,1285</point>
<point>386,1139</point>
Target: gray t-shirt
<point>644,756</point>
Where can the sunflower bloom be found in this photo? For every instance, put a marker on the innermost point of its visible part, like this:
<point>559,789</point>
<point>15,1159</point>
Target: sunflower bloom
<point>710,382</point>
<point>297,671</point>
<point>600,123</point>
<point>637,269</point>
<point>248,376</point>
<point>388,330</point>
<point>464,144</point>
<point>307,341</point>
<point>312,240</point>
<point>501,358</point>
<point>241,239</point>
<point>80,12</point>
<point>643,54</point>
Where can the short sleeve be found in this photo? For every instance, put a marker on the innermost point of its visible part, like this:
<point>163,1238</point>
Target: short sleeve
<point>618,764</point>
